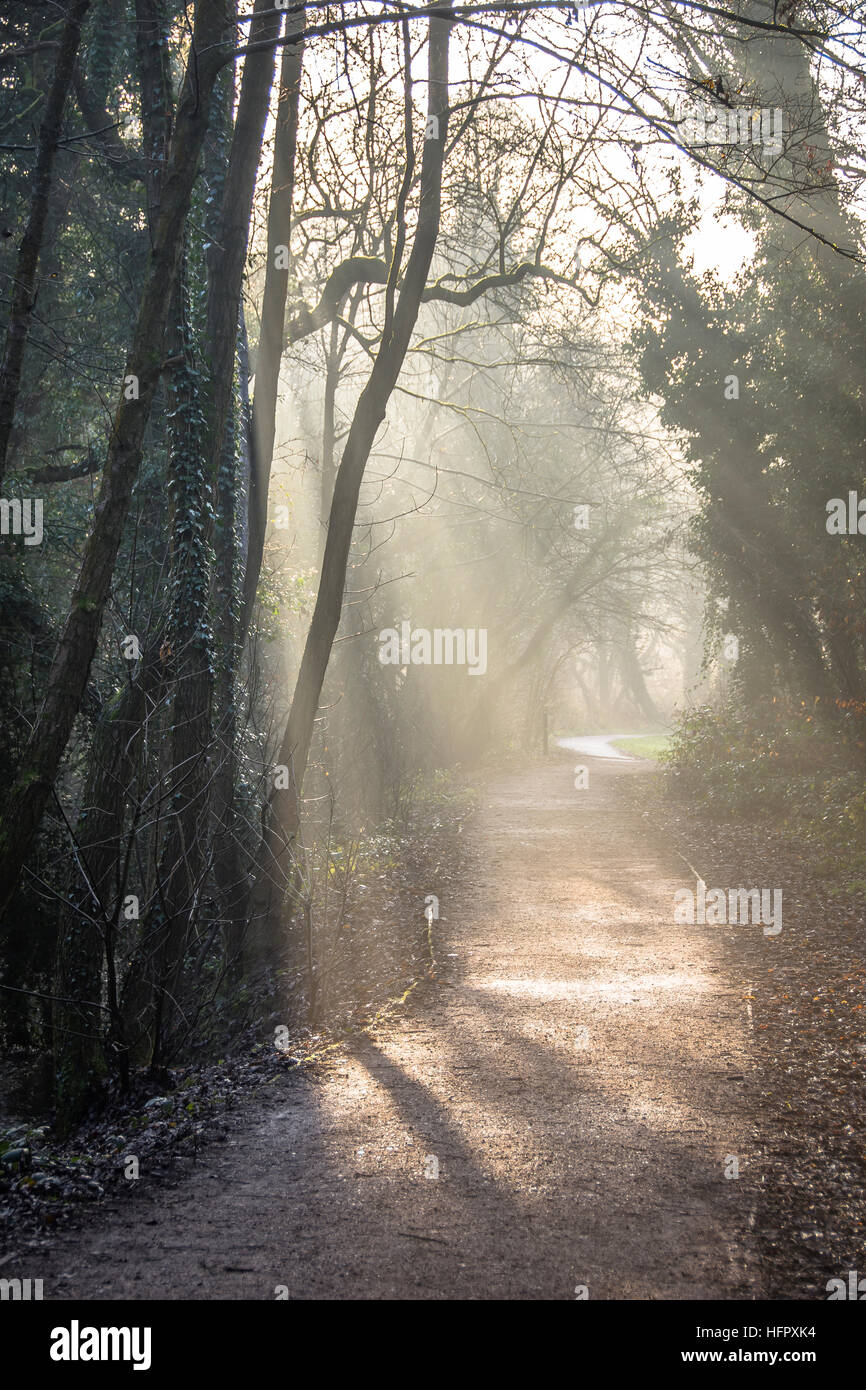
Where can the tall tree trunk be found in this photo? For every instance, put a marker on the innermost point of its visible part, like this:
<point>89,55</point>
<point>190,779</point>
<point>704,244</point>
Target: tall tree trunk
<point>199,487</point>
<point>229,870</point>
<point>333,359</point>
<point>282,813</point>
<point>779,66</point>
<point>24,285</point>
<point>227,256</point>
<point>270,349</point>
<point>190,655</point>
<point>155,85</point>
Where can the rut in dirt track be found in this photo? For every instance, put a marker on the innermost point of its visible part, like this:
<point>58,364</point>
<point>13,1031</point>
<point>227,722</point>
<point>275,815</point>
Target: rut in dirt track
<point>579,1076</point>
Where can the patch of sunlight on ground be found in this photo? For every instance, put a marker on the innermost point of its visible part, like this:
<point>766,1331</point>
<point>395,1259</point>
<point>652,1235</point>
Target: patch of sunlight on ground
<point>621,986</point>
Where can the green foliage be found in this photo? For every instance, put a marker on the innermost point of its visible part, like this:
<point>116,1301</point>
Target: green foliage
<point>764,464</point>
<point>780,764</point>
<point>653,746</point>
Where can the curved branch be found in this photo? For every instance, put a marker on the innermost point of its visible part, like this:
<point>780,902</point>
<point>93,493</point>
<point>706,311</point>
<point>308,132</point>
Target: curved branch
<point>438,291</point>
<point>357,270</point>
<point>369,270</point>
<point>53,473</point>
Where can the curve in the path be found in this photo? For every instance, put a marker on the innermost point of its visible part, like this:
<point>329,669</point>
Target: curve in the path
<point>596,745</point>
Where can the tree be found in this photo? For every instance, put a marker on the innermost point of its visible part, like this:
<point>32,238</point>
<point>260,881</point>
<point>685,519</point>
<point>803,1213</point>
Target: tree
<point>67,679</point>
<point>24,285</point>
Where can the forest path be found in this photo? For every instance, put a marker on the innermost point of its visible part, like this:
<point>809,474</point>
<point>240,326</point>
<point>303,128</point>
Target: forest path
<point>578,1074</point>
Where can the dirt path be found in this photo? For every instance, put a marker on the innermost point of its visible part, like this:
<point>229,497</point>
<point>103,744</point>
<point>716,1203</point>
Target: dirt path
<point>578,1077</point>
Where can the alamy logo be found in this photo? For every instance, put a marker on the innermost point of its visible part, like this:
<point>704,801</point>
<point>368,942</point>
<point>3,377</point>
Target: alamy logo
<point>442,647</point>
<point>837,1289</point>
<point>22,517</point>
<point>719,908</point>
<point>76,1343</point>
<point>20,1290</point>
<point>704,124</point>
<point>846,521</point>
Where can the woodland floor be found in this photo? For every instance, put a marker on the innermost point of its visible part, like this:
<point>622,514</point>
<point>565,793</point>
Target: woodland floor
<point>580,1069</point>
